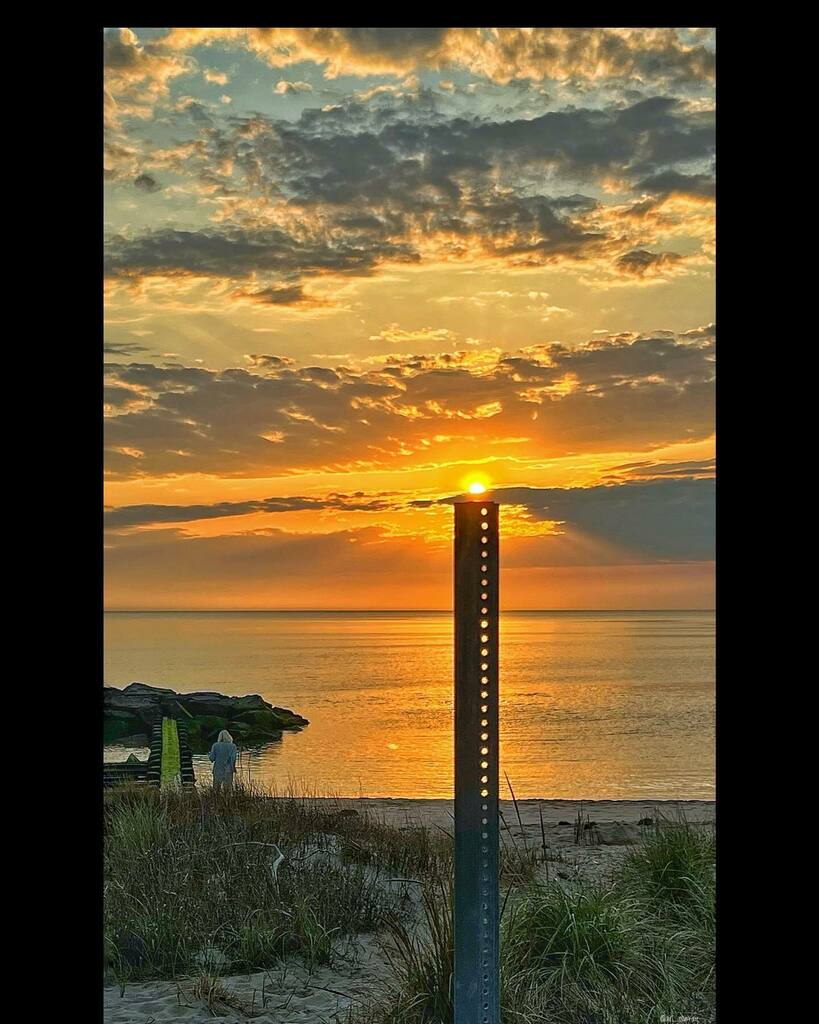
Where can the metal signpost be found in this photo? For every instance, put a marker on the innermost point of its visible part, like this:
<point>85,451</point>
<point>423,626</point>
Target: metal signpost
<point>476,763</point>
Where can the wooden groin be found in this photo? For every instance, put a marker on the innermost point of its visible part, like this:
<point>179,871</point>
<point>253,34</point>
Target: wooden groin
<point>150,772</point>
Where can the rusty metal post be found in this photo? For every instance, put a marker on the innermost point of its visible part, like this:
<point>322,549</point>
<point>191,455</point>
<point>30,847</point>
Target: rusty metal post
<point>476,989</point>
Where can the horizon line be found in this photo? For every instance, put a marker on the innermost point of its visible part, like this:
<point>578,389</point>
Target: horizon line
<point>346,611</point>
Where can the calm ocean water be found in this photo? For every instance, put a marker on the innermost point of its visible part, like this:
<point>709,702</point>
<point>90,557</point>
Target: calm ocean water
<point>594,705</point>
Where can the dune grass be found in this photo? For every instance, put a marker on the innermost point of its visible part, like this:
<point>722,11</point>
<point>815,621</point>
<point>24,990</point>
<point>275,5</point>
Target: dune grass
<point>192,889</point>
<point>189,880</point>
<point>639,947</point>
<point>675,868</point>
<point>422,962</point>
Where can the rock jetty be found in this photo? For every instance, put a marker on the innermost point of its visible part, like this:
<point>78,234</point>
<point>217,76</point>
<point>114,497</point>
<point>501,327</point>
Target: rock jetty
<point>129,714</point>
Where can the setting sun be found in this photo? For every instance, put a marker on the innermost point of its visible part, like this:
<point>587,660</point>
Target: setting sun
<point>407,364</point>
<point>313,347</point>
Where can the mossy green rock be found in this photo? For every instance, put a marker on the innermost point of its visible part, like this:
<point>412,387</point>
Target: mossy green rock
<point>120,724</point>
<point>250,719</point>
<point>208,726</point>
<point>266,721</point>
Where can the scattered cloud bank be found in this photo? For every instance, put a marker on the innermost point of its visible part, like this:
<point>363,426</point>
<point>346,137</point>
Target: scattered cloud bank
<point>612,394</point>
<point>328,194</point>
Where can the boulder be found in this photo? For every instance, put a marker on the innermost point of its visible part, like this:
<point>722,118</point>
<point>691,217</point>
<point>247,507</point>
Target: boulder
<point>205,703</point>
<point>207,726</point>
<point>289,719</point>
<point>266,721</point>
<point>144,690</point>
<point>252,702</point>
<point>119,700</point>
<point>134,709</point>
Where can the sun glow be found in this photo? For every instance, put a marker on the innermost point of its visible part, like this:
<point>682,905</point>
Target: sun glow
<point>476,487</point>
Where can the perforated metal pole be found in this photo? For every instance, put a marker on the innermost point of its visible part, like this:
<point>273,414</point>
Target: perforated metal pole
<point>476,763</point>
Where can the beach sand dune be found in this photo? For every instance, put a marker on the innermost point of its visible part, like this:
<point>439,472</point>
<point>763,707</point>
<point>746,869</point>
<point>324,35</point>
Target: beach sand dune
<point>293,994</point>
<point>289,993</point>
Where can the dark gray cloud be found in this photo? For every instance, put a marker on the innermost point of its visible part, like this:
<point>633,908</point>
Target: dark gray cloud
<point>649,470</point>
<point>391,41</point>
<point>630,523</point>
<point>268,362</point>
<point>609,395</point>
<point>667,520</point>
<point>371,181</point>
<point>239,252</point>
<point>119,397</point>
<point>684,184</point>
<point>276,295</point>
<point>612,362</point>
<point>664,520</point>
<point>707,331</point>
<point>123,348</point>
<point>640,261</point>
<point>129,516</point>
<point>147,183</point>
<point>324,156</point>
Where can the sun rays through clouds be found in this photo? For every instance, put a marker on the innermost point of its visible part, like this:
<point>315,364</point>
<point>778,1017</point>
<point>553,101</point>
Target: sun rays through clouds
<point>350,272</point>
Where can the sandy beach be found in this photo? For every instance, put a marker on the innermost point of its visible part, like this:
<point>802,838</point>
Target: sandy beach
<point>291,994</point>
<point>440,812</point>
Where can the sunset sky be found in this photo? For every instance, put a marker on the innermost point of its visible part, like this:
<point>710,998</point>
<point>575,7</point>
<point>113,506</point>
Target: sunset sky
<point>351,271</point>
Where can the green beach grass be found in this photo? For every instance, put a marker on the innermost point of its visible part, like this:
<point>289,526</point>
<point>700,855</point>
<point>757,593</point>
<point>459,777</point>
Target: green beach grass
<point>193,890</point>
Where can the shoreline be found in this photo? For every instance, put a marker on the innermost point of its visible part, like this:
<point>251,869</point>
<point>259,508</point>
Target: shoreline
<point>439,812</point>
